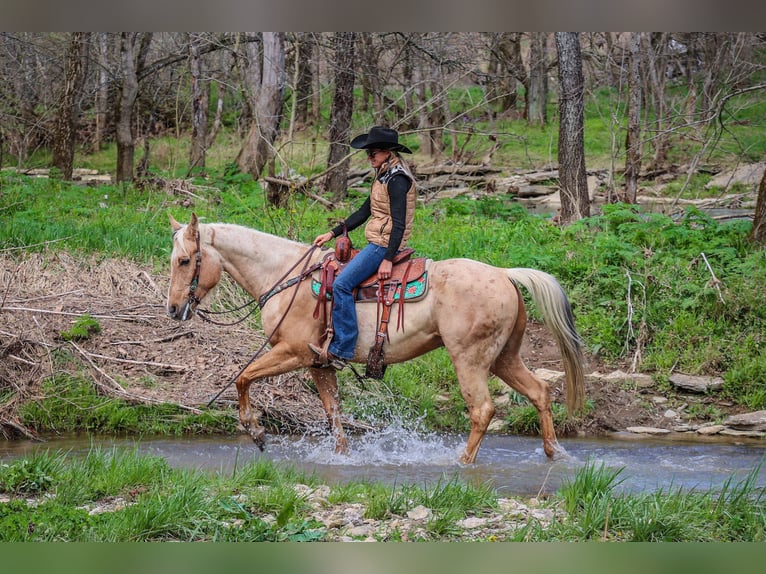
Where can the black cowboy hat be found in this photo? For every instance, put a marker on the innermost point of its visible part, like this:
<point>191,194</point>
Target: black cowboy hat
<point>380,138</point>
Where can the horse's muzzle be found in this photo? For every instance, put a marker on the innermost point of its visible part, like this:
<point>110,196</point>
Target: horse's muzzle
<point>182,313</point>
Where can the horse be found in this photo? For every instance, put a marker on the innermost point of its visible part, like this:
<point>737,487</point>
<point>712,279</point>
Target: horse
<point>475,310</point>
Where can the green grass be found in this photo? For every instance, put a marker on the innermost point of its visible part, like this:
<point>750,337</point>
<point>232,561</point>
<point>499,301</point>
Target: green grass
<point>118,495</point>
<point>68,403</point>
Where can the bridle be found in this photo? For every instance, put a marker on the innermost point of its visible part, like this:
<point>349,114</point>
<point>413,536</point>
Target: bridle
<point>192,298</point>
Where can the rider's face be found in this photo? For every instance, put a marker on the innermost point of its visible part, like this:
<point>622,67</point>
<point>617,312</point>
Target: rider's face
<point>378,157</point>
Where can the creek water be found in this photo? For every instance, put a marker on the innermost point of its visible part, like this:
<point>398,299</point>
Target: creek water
<point>512,465</point>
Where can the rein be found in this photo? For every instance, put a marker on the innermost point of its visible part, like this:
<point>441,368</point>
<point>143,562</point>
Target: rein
<point>280,286</point>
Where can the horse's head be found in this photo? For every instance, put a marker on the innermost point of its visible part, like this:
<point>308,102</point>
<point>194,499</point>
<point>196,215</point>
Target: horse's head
<point>194,269</point>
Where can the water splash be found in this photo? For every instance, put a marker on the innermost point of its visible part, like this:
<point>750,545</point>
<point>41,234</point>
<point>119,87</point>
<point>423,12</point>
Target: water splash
<point>398,443</point>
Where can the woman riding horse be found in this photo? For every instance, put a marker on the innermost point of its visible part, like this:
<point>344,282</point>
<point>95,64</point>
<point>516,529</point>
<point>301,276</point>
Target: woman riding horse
<point>389,212</point>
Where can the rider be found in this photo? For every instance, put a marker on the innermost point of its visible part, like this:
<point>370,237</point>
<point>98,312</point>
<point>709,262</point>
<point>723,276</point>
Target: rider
<point>390,209</point>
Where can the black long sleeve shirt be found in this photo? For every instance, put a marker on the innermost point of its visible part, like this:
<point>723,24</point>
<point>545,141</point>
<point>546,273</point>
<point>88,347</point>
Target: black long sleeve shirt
<point>398,186</point>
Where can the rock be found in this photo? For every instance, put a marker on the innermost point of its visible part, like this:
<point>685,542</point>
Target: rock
<point>641,381</point>
<point>749,174</point>
<point>710,429</point>
<point>670,414</point>
<point>420,513</point>
<point>497,425</point>
<point>549,376</point>
<point>647,430</point>
<point>659,400</point>
<point>502,400</point>
<point>743,433</point>
<point>362,530</point>
<point>696,384</point>
<point>755,421</point>
<point>472,522</point>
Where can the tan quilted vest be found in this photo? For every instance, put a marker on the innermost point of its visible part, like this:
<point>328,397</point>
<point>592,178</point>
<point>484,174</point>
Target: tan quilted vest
<point>378,228</point>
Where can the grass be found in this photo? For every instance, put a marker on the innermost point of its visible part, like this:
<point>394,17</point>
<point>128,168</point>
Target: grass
<point>70,403</point>
<point>115,495</point>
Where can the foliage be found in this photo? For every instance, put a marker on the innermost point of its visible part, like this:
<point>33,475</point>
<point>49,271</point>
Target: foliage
<point>69,403</point>
<point>83,328</point>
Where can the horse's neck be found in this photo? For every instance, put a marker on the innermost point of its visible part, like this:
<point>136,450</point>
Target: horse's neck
<point>254,259</point>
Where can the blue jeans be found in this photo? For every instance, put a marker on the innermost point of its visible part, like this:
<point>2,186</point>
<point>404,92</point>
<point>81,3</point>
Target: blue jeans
<point>344,323</point>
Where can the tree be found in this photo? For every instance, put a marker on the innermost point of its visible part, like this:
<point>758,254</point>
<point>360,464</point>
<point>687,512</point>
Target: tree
<point>340,117</point>
<point>268,100</point>
<point>537,93</point>
<point>200,96</point>
<point>758,233</point>
<point>575,203</point>
<point>633,135</point>
<point>66,119</point>
<point>134,47</point>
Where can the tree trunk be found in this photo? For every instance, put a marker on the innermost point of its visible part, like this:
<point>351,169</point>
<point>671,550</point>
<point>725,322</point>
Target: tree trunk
<point>257,148</point>
<point>133,49</point>
<point>66,119</point>
<point>537,95</point>
<point>305,47</point>
<point>657,46</point>
<point>102,91</point>
<point>199,99</point>
<point>758,234</point>
<point>575,203</point>
<point>633,135</point>
<point>340,119</point>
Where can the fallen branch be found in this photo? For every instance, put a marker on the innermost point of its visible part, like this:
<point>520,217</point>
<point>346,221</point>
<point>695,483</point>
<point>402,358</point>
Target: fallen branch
<point>165,339</point>
<point>116,389</point>
<point>165,366</point>
<point>716,282</point>
<point>80,314</point>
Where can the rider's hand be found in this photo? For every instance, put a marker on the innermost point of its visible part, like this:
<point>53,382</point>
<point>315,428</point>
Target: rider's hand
<point>324,238</point>
<point>384,271</point>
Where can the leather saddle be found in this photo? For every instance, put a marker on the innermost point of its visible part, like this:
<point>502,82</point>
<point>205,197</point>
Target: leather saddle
<point>410,272</point>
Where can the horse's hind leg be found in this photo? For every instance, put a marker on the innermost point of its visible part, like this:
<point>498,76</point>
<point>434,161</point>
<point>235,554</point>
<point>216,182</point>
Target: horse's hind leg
<point>516,375</point>
<point>326,382</point>
<point>473,387</point>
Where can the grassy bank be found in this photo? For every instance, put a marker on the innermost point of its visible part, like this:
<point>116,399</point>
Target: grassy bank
<point>119,496</point>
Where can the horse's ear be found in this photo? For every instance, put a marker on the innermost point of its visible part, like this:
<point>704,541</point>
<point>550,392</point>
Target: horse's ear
<point>173,223</point>
<point>191,229</point>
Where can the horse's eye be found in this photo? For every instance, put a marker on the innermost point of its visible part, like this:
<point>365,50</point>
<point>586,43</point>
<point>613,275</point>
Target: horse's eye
<point>184,261</point>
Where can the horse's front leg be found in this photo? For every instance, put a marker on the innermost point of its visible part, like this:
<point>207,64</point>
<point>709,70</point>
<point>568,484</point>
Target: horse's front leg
<point>326,382</point>
<point>277,361</point>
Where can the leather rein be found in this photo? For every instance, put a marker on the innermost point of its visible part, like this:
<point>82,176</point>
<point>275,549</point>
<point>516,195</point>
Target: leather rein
<point>280,286</point>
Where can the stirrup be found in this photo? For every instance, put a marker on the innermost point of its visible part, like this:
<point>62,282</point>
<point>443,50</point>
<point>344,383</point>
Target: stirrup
<point>326,360</point>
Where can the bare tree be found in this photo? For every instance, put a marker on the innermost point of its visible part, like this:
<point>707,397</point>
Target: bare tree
<point>305,49</point>
<point>633,136</point>
<point>200,95</point>
<point>134,47</point>
<point>575,203</point>
<point>268,103</point>
<point>758,233</point>
<point>537,92</point>
<point>66,119</point>
<point>340,116</point>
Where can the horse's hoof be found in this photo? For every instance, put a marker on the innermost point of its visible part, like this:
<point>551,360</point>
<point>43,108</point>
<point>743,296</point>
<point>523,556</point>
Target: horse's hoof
<point>258,435</point>
<point>556,452</point>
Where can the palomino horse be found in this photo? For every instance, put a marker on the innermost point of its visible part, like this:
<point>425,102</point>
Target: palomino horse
<point>475,310</point>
